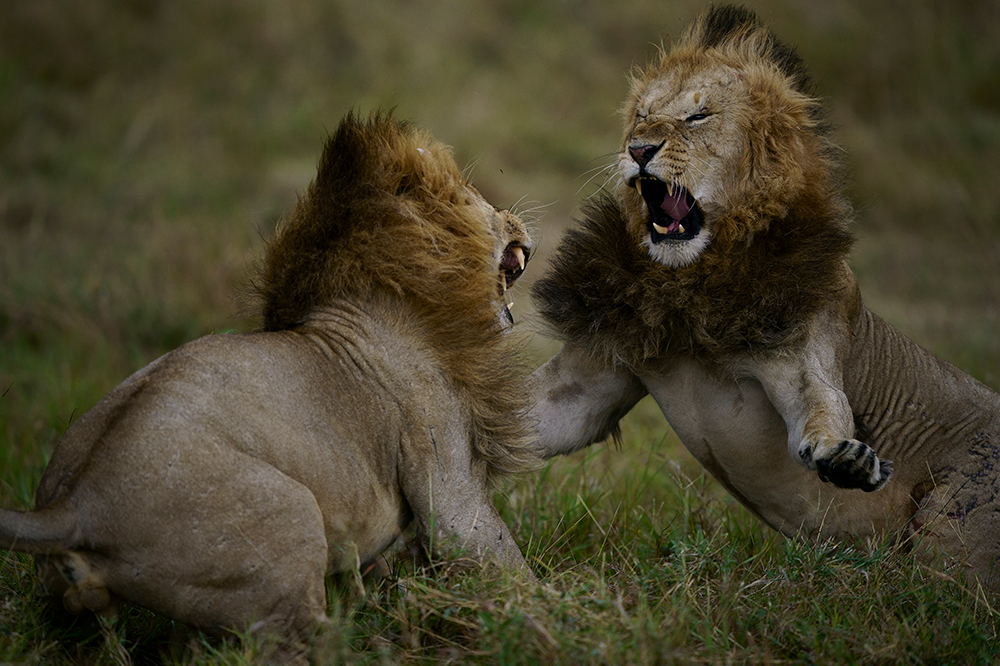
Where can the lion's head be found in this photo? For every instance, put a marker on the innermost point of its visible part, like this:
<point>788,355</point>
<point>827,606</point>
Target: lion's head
<point>390,210</point>
<point>729,224</point>
<point>391,222</point>
<point>722,134</point>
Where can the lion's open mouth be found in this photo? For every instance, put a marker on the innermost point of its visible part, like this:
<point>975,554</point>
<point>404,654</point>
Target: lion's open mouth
<point>673,211</point>
<point>512,262</point>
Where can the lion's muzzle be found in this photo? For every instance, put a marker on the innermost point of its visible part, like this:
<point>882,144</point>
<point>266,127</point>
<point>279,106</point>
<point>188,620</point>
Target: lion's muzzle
<point>674,214</point>
<point>512,262</point>
<point>673,211</point>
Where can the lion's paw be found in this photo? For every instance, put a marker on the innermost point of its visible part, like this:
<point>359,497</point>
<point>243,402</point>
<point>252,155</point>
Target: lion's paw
<point>850,464</point>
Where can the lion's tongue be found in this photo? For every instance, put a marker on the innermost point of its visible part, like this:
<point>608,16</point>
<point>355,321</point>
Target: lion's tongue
<point>676,205</point>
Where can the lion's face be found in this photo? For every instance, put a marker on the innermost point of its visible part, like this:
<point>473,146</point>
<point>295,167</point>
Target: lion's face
<point>683,140</point>
<point>718,140</point>
<point>511,253</point>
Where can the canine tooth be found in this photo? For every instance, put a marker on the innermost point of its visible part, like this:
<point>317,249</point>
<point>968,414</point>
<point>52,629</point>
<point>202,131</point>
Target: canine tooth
<point>670,187</point>
<point>680,228</point>
<point>503,281</point>
<point>638,186</point>
<point>519,253</point>
<point>660,230</point>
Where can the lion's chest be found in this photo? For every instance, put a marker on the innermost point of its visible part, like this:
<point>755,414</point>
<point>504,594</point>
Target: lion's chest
<point>732,429</point>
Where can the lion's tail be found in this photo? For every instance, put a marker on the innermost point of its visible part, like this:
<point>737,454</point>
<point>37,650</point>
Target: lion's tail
<point>37,532</point>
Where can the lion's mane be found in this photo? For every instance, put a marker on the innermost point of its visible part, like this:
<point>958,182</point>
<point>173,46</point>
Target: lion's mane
<point>386,218</point>
<point>778,248</point>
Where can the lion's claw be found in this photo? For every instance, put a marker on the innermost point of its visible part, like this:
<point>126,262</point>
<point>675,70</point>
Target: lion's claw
<point>853,464</point>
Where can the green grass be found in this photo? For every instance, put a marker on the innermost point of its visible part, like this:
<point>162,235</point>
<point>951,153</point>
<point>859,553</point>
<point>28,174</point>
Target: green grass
<point>640,564</point>
<point>145,147</point>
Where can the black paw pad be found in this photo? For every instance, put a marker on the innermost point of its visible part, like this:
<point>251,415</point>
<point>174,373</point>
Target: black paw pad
<point>851,465</point>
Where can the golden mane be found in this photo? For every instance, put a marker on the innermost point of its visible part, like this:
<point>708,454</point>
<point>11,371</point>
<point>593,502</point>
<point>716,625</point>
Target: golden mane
<point>390,214</point>
<point>779,239</point>
<point>383,213</point>
<point>736,34</point>
<point>777,165</point>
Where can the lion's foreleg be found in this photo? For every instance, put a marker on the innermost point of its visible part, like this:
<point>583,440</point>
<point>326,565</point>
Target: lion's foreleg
<point>467,524</point>
<point>578,401</point>
<point>806,388</point>
<point>450,501</point>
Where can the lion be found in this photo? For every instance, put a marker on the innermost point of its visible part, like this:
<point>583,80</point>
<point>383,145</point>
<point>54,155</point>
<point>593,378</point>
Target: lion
<point>715,279</point>
<point>221,483</point>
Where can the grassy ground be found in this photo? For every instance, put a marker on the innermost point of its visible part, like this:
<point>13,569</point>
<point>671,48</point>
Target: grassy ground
<point>145,146</point>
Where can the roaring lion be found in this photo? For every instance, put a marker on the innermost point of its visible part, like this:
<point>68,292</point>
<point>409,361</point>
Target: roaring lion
<point>221,483</point>
<point>715,279</point>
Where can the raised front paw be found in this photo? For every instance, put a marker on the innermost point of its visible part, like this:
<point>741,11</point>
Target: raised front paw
<point>849,464</point>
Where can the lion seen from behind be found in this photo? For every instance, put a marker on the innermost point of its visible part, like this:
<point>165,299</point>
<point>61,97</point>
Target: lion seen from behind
<point>220,484</point>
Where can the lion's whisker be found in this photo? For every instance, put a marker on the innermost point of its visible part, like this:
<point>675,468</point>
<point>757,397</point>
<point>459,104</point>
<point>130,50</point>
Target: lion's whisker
<point>530,212</point>
<point>513,207</point>
<point>597,172</point>
<point>470,167</point>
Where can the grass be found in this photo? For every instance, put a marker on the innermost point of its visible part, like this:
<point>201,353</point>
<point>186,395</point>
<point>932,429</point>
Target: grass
<point>145,147</point>
<point>640,564</point>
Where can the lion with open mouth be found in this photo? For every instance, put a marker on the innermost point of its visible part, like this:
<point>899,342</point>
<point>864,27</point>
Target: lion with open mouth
<point>716,280</point>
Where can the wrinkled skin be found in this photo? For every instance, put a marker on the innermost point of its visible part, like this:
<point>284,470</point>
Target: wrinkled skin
<point>831,424</point>
<point>222,482</point>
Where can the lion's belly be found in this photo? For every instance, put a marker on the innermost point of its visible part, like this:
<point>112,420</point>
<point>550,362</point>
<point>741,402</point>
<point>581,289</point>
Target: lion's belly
<point>732,429</point>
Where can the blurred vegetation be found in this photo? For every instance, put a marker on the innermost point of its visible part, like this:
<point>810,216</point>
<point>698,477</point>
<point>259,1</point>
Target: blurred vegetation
<point>146,146</point>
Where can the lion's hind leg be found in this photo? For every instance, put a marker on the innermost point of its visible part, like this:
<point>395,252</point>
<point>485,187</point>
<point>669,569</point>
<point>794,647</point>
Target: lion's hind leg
<point>270,577</point>
<point>956,528</point>
<point>238,547</point>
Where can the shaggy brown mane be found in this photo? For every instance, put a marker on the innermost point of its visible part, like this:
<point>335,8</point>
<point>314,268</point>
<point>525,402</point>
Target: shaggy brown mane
<point>778,247</point>
<point>737,32</point>
<point>605,292</point>
<point>388,216</point>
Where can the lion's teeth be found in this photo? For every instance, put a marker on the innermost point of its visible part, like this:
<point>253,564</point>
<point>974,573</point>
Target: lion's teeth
<point>638,186</point>
<point>503,281</point>
<point>670,188</point>
<point>519,254</point>
<point>660,230</point>
<point>680,228</point>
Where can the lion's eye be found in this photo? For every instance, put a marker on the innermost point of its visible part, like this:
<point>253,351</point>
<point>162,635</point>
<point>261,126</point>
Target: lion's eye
<point>696,117</point>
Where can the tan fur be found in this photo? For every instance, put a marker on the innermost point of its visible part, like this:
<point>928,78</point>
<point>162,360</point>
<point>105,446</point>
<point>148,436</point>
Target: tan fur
<point>730,301</point>
<point>220,484</point>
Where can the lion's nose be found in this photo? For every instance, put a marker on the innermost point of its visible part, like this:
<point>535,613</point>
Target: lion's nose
<point>643,154</point>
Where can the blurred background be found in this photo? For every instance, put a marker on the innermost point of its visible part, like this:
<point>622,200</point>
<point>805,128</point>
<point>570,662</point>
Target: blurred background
<point>146,147</point>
